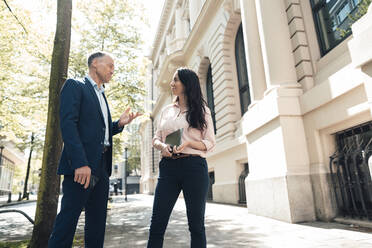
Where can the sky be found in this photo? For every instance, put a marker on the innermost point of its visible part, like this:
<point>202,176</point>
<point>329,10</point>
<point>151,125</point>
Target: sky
<point>153,10</point>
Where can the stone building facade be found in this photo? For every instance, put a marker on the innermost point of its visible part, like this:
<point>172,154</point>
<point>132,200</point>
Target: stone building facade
<point>290,97</point>
<point>10,158</point>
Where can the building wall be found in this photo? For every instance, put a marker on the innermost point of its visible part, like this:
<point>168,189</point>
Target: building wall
<point>299,98</point>
<point>11,158</point>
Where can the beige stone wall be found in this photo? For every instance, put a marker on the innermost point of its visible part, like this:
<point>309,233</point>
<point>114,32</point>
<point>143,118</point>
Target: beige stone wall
<point>299,99</point>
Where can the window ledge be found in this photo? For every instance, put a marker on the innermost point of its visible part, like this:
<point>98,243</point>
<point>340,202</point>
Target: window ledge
<point>333,55</point>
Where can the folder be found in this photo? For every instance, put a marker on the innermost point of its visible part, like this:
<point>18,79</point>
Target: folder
<point>174,139</point>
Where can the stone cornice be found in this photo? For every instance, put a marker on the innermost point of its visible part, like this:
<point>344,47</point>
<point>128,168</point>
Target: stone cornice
<point>209,10</point>
<point>178,58</point>
<point>162,27</point>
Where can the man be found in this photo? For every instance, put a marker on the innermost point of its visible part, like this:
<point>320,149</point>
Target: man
<point>86,158</point>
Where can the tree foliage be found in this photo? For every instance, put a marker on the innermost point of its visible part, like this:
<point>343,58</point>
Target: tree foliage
<point>361,10</point>
<point>111,25</point>
<point>115,28</point>
<point>23,78</point>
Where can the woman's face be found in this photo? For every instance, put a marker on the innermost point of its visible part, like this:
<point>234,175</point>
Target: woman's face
<point>176,86</point>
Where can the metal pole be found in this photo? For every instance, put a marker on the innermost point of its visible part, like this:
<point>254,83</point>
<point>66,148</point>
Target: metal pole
<point>125,171</point>
<point>1,160</point>
<point>1,155</point>
<point>25,192</point>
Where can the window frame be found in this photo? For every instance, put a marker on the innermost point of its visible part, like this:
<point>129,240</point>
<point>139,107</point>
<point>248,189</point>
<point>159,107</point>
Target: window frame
<point>210,96</point>
<point>241,69</point>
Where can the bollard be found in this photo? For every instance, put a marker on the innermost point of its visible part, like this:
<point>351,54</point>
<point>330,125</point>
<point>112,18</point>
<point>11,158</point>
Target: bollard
<point>20,196</point>
<point>28,196</point>
<point>9,197</point>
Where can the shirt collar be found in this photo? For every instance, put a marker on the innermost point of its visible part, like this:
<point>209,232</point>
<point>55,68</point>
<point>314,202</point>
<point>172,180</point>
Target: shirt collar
<point>95,85</point>
<point>176,104</point>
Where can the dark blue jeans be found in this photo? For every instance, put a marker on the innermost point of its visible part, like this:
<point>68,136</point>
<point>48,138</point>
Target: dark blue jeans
<point>190,175</point>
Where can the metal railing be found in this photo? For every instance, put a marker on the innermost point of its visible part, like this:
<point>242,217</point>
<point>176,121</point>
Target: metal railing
<point>351,174</point>
<point>243,175</point>
<point>18,211</point>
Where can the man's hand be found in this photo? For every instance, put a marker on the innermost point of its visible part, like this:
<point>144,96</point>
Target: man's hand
<point>127,117</point>
<point>82,176</point>
<point>167,151</point>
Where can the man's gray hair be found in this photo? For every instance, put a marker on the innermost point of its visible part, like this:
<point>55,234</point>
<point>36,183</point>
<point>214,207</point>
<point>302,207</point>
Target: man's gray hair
<point>95,55</point>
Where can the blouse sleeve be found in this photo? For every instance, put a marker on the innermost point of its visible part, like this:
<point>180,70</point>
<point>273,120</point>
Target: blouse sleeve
<point>208,133</point>
<point>157,139</point>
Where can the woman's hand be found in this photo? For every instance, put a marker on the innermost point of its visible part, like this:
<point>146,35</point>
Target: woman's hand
<point>180,148</point>
<point>166,151</point>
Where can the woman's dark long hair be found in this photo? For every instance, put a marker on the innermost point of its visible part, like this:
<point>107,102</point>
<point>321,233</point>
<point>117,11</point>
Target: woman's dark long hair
<point>195,103</point>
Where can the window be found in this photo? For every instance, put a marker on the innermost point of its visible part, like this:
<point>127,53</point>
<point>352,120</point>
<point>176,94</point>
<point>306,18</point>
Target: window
<point>210,96</point>
<point>332,21</point>
<point>241,67</point>
<point>343,12</point>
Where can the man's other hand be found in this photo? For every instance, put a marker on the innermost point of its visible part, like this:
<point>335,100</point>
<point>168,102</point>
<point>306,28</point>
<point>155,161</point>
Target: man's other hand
<point>82,176</point>
<point>127,117</point>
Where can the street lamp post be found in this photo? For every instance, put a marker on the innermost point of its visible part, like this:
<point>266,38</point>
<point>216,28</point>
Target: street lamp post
<point>25,192</point>
<point>1,155</point>
<point>1,163</point>
<point>125,171</point>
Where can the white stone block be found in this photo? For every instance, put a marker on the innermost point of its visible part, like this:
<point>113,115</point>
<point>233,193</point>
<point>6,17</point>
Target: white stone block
<point>288,3</point>
<point>294,11</point>
<point>301,53</point>
<point>298,39</point>
<point>304,69</point>
<point>297,24</point>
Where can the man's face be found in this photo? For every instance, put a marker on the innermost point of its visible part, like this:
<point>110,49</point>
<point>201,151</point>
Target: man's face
<point>104,68</point>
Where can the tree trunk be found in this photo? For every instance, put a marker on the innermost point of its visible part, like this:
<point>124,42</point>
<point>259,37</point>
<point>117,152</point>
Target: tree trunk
<point>47,202</point>
<point>25,193</point>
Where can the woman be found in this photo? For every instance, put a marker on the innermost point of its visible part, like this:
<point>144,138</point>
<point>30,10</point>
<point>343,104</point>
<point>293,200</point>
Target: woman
<point>183,167</point>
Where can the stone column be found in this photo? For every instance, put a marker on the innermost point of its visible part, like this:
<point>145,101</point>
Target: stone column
<point>253,52</point>
<point>278,185</point>
<point>278,58</point>
<point>194,7</point>
<point>178,22</point>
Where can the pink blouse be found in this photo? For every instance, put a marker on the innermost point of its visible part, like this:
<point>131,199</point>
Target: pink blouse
<point>172,119</point>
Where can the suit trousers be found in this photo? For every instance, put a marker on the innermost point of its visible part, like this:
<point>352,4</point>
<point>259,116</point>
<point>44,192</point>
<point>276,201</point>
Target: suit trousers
<point>189,174</point>
<point>74,199</point>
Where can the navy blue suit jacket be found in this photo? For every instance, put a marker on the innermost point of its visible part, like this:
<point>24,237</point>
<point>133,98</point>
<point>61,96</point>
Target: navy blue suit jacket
<point>83,129</point>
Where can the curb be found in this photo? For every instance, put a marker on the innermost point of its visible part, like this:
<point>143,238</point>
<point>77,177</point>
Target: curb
<point>348,221</point>
<point>16,203</point>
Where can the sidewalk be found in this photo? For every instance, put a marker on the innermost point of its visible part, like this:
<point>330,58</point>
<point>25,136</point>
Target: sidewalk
<point>227,227</point>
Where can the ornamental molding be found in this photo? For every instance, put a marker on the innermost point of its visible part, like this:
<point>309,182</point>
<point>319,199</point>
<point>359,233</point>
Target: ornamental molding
<point>165,17</point>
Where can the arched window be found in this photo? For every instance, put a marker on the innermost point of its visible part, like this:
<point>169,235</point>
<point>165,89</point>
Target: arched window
<point>241,67</point>
<point>210,96</point>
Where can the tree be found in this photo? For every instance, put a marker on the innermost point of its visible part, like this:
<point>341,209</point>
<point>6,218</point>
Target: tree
<point>115,28</point>
<point>46,209</point>
<point>25,60</point>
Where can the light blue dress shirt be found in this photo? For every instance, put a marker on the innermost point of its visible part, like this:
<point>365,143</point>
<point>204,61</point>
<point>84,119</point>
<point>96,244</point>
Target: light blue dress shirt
<point>99,92</point>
